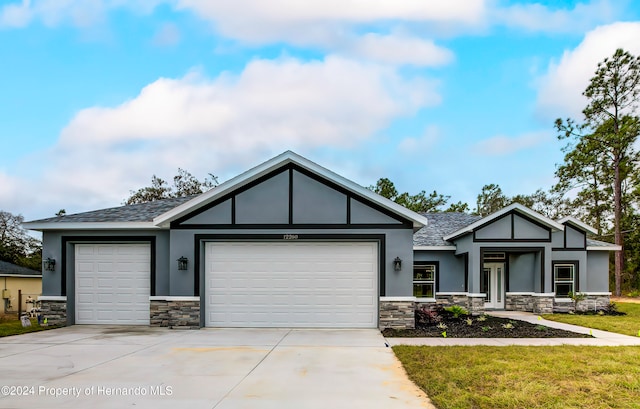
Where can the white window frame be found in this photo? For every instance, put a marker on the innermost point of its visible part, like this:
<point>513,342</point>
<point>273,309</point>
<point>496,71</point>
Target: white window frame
<point>556,281</point>
<point>432,281</point>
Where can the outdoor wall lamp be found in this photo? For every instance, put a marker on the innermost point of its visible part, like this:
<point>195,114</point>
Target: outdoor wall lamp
<point>183,263</point>
<point>49,264</point>
<point>397,264</point>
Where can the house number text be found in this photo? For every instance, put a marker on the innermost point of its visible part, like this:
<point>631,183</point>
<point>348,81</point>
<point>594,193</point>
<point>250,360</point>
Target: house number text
<point>290,237</point>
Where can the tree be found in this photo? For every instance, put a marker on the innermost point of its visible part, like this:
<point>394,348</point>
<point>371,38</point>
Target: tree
<point>420,203</point>
<point>490,200</point>
<point>458,207</point>
<point>16,245</point>
<point>611,129</point>
<point>184,184</point>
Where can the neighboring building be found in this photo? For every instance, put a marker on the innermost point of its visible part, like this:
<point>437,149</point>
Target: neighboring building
<point>14,280</point>
<point>292,244</point>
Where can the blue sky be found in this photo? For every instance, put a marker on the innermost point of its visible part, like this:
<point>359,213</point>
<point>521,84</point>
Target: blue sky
<point>97,96</point>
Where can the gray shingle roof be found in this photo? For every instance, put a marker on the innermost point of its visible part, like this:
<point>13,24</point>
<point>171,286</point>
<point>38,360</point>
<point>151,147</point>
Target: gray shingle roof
<point>441,224</point>
<point>12,269</point>
<point>598,243</point>
<point>143,212</point>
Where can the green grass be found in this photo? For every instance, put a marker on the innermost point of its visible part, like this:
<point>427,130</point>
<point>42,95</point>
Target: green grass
<point>13,326</point>
<point>623,324</point>
<point>525,377</point>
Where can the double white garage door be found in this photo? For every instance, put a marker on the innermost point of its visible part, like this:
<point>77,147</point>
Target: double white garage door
<point>247,284</point>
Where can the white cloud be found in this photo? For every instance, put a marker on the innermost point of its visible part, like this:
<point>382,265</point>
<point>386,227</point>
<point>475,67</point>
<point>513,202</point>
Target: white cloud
<point>399,49</point>
<point>421,145</point>
<point>560,89</point>
<point>504,145</point>
<point>536,17</point>
<point>16,15</point>
<point>168,35</point>
<point>259,21</point>
<point>223,125</point>
<point>80,13</point>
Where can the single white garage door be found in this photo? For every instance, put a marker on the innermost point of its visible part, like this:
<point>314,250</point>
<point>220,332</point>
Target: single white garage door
<point>292,284</point>
<point>112,283</point>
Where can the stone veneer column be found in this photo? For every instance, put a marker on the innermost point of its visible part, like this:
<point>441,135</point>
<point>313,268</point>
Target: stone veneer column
<point>476,304</point>
<point>594,302</point>
<point>54,309</point>
<point>519,302</point>
<point>543,303</point>
<point>175,312</point>
<point>397,312</point>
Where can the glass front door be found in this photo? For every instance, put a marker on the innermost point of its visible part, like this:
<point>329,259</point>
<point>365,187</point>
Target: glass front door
<point>493,285</point>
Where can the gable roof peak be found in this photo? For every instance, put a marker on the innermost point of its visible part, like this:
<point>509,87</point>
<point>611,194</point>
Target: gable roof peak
<point>273,164</point>
<point>578,223</point>
<point>514,207</point>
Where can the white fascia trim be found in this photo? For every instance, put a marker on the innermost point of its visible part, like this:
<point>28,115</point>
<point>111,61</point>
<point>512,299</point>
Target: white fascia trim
<point>434,248</point>
<point>451,293</point>
<point>475,295</point>
<point>612,247</point>
<point>514,206</point>
<point>173,298</point>
<point>52,298</point>
<point>544,294</point>
<point>275,163</point>
<point>398,298</point>
<point>578,223</point>
<point>519,293</point>
<point>90,226</point>
<point>425,300</point>
<point>20,275</point>
<point>594,293</point>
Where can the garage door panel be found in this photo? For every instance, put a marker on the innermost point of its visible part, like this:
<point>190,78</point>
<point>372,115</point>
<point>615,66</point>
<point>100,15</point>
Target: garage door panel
<point>291,284</point>
<point>112,283</point>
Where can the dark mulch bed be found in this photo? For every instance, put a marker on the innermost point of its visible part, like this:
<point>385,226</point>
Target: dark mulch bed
<point>491,327</point>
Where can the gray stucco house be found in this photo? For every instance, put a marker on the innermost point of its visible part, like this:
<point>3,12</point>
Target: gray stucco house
<point>292,244</point>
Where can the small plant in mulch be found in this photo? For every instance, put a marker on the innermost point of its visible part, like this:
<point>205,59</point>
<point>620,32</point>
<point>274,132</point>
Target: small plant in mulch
<point>456,322</point>
<point>457,311</point>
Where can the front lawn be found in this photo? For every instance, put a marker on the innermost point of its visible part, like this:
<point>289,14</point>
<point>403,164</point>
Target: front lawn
<point>623,324</point>
<point>524,376</point>
<point>12,326</point>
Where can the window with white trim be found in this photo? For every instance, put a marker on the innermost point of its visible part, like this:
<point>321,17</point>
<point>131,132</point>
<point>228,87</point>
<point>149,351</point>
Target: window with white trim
<point>424,281</point>
<point>564,275</point>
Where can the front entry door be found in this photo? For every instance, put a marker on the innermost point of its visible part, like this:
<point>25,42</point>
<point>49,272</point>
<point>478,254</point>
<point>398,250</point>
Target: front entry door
<point>493,285</point>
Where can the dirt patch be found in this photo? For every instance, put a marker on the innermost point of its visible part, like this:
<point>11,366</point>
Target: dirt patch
<point>632,300</point>
<point>480,327</point>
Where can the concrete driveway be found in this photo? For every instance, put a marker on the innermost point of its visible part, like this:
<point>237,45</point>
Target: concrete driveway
<point>116,367</point>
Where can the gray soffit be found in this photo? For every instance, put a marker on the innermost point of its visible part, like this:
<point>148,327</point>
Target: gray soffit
<point>439,225</point>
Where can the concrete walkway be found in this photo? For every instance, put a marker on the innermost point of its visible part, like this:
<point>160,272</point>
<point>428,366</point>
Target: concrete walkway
<point>601,338</point>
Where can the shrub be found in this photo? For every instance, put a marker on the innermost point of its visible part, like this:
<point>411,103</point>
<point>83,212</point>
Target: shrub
<point>426,317</point>
<point>457,311</point>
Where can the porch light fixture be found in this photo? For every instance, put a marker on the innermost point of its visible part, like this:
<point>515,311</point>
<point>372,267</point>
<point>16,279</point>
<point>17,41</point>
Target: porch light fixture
<point>49,264</point>
<point>397,264</point>
<point>183,263</point>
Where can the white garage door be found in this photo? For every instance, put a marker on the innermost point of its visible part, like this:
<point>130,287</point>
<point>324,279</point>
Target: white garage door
<point>292,284</point>
<point>112,283</point>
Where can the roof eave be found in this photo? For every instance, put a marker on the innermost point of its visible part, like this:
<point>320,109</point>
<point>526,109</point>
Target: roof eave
<point>612,247</point>
<point>44,226</point>
<point>578,223</point>
<point>285,158</point>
